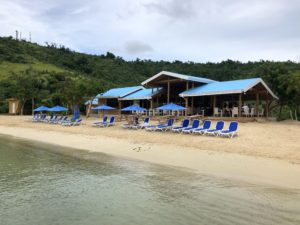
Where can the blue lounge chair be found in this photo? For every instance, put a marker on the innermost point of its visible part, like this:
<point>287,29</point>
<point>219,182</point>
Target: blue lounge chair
<point>145,124</point>
<point>185,124</point>
<point>204,128</point>
<point>52,119</point>
<point>44,118</point>
<point>153,127</point>
<point>36,117</point>
<point>194,126</point>
<point>71,122</point>
<point>96,124</point>
<point>56,120</point>
<point>232,130</point>
<point>165,127</point>
<point>63,120</point>
<point>218,129</point>
<point>77,122</point>
<point>110,123</point>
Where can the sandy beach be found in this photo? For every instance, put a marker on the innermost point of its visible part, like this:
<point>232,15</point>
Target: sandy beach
<point>265,152</point>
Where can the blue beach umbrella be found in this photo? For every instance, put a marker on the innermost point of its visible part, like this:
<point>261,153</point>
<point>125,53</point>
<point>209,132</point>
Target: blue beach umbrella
<point>134,108</point>
<point>103,107</point>
<point>41,108</point>
<point>58,109</point>
<point>172,106</point>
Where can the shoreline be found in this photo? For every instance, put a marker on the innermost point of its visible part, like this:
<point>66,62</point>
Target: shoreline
<point>253,169</point>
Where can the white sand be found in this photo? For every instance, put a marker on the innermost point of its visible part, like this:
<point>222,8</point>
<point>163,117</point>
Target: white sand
<point>265,153</point>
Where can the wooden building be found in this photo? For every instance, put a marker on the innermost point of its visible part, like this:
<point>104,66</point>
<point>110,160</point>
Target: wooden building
<point>201,96</point>
<point>13,106</point>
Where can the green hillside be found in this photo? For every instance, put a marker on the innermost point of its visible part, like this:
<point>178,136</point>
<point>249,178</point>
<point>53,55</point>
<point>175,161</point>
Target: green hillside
<point>62,74</point>
<point>7,68</point>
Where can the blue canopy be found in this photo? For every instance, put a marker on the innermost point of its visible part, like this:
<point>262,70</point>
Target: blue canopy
<point>41,108</point>
<point>103,107</point>
<point>134,108</point>
<point>171,106</point>
<point>58,109</point>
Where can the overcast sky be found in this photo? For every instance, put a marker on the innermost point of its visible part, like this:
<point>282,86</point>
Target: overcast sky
<point>187,30</point>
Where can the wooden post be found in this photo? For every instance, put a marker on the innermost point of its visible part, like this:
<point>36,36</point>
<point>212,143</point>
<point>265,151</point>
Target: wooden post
<point>214,102</point>
<point>151,104</point>
<point>267,106</point>
<point>192,105</point>
<point>168,98</point>
<point>192,99</point>
<point>240,105</point>
<point>257,104</point>
<point>186,106</point>
<point>120,106</point>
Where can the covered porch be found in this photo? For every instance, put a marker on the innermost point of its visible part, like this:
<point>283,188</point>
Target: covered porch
<point>173,84</point>
<point>241,98</point>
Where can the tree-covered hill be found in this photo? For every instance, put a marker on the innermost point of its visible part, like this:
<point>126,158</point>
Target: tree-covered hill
<point>58,66</point>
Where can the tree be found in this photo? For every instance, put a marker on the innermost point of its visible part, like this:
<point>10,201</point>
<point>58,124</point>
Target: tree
<point>76,89</point>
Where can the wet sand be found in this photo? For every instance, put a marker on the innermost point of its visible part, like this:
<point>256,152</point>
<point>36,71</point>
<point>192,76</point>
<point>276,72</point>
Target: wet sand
<point>266,153</point>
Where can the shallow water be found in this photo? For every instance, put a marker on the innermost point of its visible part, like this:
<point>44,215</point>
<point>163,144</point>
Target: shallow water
<point>49,185</point>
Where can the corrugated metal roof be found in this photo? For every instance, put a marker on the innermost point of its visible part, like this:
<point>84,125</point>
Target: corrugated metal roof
<point>180,76</point>
<point>120,92</point>
<point>226,87</point>
<point>142,94</point>
<point>94,102</point>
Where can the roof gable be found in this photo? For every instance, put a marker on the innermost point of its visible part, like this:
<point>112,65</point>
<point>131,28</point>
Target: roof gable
<point>142,94</point>
<point>120,92</point>
<point>179,76</point>
<point>226,87</point>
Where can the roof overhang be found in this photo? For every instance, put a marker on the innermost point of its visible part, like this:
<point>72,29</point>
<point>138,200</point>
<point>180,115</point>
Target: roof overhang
<point>149,97</point>
<point>236,91</point>
<point>121,95</point>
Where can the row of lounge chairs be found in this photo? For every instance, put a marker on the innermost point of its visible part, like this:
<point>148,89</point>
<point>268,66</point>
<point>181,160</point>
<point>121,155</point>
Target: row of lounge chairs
<point>186,127</point>
<point>55,119</point>
<point>194,128</point>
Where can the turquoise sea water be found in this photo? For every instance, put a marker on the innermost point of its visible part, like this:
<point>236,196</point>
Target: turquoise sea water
<point>49,185</point>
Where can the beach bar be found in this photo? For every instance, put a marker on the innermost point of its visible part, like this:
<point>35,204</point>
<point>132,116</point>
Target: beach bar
<point>200,96</point>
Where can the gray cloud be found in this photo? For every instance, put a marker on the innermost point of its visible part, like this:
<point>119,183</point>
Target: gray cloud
<point>176,9</point>
<point>137,47</point>
<point>197,30</point>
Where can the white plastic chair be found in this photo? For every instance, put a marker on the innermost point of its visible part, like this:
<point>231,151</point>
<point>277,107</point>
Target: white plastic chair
<point>261,113</point>
<point>235,111</point>
<point>246,111</point>
<point>252,112</point>
<point>216,111</point>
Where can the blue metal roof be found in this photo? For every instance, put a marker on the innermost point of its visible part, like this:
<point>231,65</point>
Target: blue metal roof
<point>94,102</point>
<point>225,87</point>
<point>142,94</point>
<point>120,92</point>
